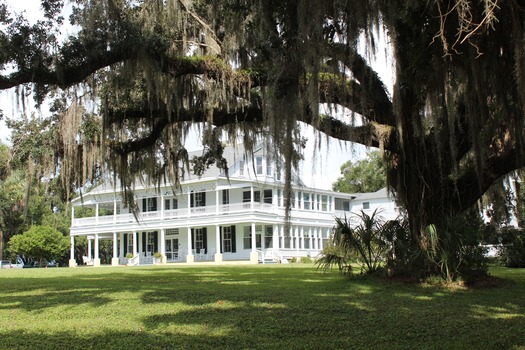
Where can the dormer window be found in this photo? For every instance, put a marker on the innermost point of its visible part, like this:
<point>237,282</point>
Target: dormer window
<point>241,167</point>
<point>259,165</point>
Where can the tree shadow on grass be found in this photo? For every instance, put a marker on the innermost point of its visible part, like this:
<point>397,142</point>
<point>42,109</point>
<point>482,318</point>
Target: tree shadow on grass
<point>243,308</point>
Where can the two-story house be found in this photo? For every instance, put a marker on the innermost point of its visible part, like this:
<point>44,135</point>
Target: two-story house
<point>216,217</point>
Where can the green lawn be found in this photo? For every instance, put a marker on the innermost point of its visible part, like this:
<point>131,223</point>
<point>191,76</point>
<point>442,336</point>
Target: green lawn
<point>251,307</point>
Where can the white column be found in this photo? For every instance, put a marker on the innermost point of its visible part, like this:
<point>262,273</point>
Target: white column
<point>217,200</point>
<point>139,237</point>
<point>301,238</point>
<point>251,195</point>
<point>281,235</point>
<point>321,239</point>
<point>218,254</point>
<point>134,243</point>
<point>275,237</point>
<point>162,206</point>
<point>253,253</point>
<point>297,240</point>
<point>114,211</point>
<point>89,249</point>
<point>315,246</point>
<point>162,245</point>
<point>72,261</point>
<point>190,258</point>
<point>253,237</point>
<point>96,259</point>
<point>310,246</point>
<point>72,216</point>
<point>114,260</point>
<point>189,202</point>
<point>96,213</point>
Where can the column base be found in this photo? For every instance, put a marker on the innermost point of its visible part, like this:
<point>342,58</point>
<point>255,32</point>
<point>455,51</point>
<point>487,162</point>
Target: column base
<point>254,258</point>
<point>190,259</point>
<point>218,257</point>
<point>72,263</point>
<point>164,260</point>
<point>114,261</point>
<point>96,262</point>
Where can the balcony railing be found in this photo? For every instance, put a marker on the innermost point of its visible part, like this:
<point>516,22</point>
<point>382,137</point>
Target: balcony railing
<point>183,213</point>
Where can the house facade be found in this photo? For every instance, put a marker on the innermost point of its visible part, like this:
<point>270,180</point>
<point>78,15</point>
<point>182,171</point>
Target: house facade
<point>214,217</point>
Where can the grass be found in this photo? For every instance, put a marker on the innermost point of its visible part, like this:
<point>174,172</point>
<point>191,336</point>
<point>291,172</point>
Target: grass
<point>251,307</point>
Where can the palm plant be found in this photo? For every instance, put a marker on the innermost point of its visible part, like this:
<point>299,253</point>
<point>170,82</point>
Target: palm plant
<point>364,236</point>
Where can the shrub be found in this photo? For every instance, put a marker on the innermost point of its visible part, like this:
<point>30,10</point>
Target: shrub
<point>305,260</point>
<point>513,254</point>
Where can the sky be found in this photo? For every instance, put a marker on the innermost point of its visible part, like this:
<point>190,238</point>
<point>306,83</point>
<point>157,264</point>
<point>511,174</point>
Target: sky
<point>323,158</point>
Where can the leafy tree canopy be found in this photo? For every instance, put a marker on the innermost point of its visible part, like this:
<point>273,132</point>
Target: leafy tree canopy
<point>40,243</point>
<point>364,175</point>
<point>451,128</point>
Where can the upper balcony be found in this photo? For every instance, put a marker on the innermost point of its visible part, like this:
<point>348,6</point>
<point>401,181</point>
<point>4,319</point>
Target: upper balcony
<point>199,212</point>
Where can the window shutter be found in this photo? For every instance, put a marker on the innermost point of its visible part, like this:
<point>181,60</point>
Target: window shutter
<point>125,238</point>
<point>203,199</point>
<point>154,204</point>
<point>220,237</point>
<point>192,199</point>
<point>192,239</point>
<point>144,242</point>
<point>156,241</point>
<point>144,205</point>
<point>205,238</point>
<point>233,239</point>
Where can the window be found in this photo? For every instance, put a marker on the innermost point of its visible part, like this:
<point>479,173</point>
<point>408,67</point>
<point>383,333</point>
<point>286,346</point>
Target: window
<point>241,167</point>
<point>167,204</point>
<point>149,204</point>
<point>268,194</point>
<point>172,232</point>
<point>228,239</point>
<point>259,165</point>
<point>268,237</point>
<point>269,170</point>
<point>346,206</point>
<point>324,203</point>
<point>247,239</point>
<point>366,205</point>
<point>199,239</point>
<point>257,196</point>
<point>129,243</point>
<point>198,199</point>
<point>175,203</point>
<point>246,196</point>
<point>150,245</point>
<point>306,199</point>
<point>225,196</point>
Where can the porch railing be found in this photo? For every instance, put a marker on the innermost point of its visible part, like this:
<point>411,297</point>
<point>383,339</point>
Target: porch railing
<point>182,213</point>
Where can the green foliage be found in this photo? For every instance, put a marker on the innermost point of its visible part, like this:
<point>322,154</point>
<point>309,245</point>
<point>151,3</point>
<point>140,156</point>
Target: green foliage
<point>455,248</point>
<point>305,260</point>
<point>513,252</point>
<point>4,161</point>
<point>40,243</point>
<point>364,239</point>
<point>405,256</point>
<point>365,175</point>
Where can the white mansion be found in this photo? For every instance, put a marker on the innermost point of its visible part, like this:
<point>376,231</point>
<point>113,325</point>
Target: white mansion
<point>217,218</point>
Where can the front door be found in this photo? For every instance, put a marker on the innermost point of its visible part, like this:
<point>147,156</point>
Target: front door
<point>172,249</point>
